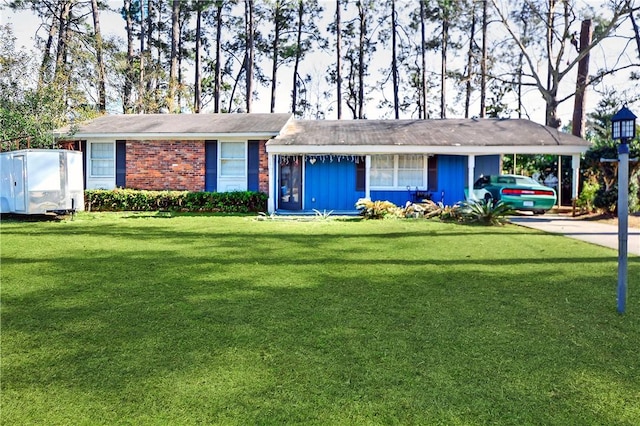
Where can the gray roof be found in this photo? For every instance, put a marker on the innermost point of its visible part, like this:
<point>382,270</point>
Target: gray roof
<point>131,125</point>
<point>446,132</point>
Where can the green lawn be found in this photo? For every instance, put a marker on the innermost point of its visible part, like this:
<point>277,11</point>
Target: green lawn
<point>135,319</point>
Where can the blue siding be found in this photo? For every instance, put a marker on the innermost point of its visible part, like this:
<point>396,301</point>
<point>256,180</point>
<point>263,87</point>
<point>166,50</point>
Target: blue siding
<point>211,166</point>
<point>399,198</point>
<point>330,185</point>
<point>452,178</point>
<point>253,165</point>
<point>486,165</point>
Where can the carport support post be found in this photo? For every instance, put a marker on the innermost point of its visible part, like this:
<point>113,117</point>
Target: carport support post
<point>575,182</point>
<point>471,164</point>
<point>623,221</point>
<point>273,193</point>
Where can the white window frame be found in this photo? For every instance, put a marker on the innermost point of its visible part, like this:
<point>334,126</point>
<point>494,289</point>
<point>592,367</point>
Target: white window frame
<point>395,186</point>
<point>112,174</point>
<point>223,180</point>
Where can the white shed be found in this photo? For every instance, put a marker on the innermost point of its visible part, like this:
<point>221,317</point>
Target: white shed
<point>38,181</point>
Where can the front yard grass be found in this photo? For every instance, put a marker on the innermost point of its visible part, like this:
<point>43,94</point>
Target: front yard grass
<point>135,319</point>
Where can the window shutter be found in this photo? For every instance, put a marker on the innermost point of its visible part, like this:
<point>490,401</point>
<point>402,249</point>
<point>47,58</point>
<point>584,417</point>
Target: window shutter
<point>253,166</point>
<point>121,163</point>
<point>211,166</point>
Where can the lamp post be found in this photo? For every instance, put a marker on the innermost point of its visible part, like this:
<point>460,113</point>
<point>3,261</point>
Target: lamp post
<point>623,128</point>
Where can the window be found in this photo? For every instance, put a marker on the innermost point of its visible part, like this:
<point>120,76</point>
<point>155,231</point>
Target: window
<point>397,171</point>
<point>410,170</point>
<point>232,159</point>
<point>102,159</point>
<point>381,170</point>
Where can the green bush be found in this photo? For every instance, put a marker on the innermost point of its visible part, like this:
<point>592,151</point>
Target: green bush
<point>376,209</point>
<point>135,200</point>
<point>606,201</point>
<point>587,196</point>
<point>485,212</point>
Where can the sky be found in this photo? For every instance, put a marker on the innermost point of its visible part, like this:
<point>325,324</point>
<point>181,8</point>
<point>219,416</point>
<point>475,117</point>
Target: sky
<point>25,26</point>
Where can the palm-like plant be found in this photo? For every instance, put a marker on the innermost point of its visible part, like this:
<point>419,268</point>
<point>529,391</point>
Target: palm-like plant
<point>485,212</point>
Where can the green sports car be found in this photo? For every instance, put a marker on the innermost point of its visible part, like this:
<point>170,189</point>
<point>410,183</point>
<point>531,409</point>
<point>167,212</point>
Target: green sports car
<point>520,192</point>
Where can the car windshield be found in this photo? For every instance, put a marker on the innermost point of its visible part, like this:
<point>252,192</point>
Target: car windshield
<point>524,180</point>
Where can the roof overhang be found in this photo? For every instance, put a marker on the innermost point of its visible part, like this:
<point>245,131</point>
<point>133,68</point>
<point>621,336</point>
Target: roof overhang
<point>419,149</point>
<point>177,127</point>
<point>163,136</point>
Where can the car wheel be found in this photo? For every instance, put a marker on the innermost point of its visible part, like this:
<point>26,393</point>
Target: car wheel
<point>488,198</point>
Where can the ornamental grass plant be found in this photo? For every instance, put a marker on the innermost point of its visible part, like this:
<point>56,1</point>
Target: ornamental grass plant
<point>154,319</point>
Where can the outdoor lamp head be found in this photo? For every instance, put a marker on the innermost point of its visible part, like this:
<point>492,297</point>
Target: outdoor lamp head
<point>623,125</point>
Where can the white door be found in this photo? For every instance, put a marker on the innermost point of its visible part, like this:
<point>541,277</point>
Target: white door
<point>19,196</point>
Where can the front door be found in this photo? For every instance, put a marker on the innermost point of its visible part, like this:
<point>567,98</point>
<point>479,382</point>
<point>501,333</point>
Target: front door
<point>290,183</point>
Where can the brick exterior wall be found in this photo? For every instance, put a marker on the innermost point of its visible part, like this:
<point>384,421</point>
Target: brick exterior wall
<point>165,165</point>
<point>263,168</point>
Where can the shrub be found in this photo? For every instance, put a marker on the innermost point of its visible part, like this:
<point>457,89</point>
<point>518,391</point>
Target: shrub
<point>485,212</point>
<point>587,196</point>
<point>606,201</point>
<point>135,200</point>
<point>376,209</point>
<point>425,209</point>
<point>450,214</point>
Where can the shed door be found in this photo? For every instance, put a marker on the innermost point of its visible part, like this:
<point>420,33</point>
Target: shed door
<point>19,196</point>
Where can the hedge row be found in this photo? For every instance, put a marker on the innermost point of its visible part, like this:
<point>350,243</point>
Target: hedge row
<point>184,201</point>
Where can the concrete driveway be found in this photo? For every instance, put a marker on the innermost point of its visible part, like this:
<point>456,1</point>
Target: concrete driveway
<point>585,230</point>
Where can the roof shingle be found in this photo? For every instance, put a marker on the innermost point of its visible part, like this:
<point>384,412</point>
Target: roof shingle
<point>446,132</point>
<point>177,124</point>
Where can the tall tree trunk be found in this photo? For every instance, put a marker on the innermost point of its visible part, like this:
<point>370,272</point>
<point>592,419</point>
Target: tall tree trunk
<point>180,56</point>
<point>470,60</point>
<point>173,73</point>
<point>274,48</point>
<point>45,66</point>
<point>361,52</point>
<point>579,117</point>
<point>443,69</point>
<point>423,54</point>
<point>63,28</point>
<point>102,91</point>
<point>158,95</point>
<point>483,63</point>
<point>197,101</point>
<point>549,41</point>
<point>128,82</point>
<point>294,92</point>
<point>338,61</point>
<point>217,84</point>
<point>141,97</point>
<point>150,81</point>
<point>552,84</point>
<point>394,61</point>
<point>521,58</point>
<point>249,52</point>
